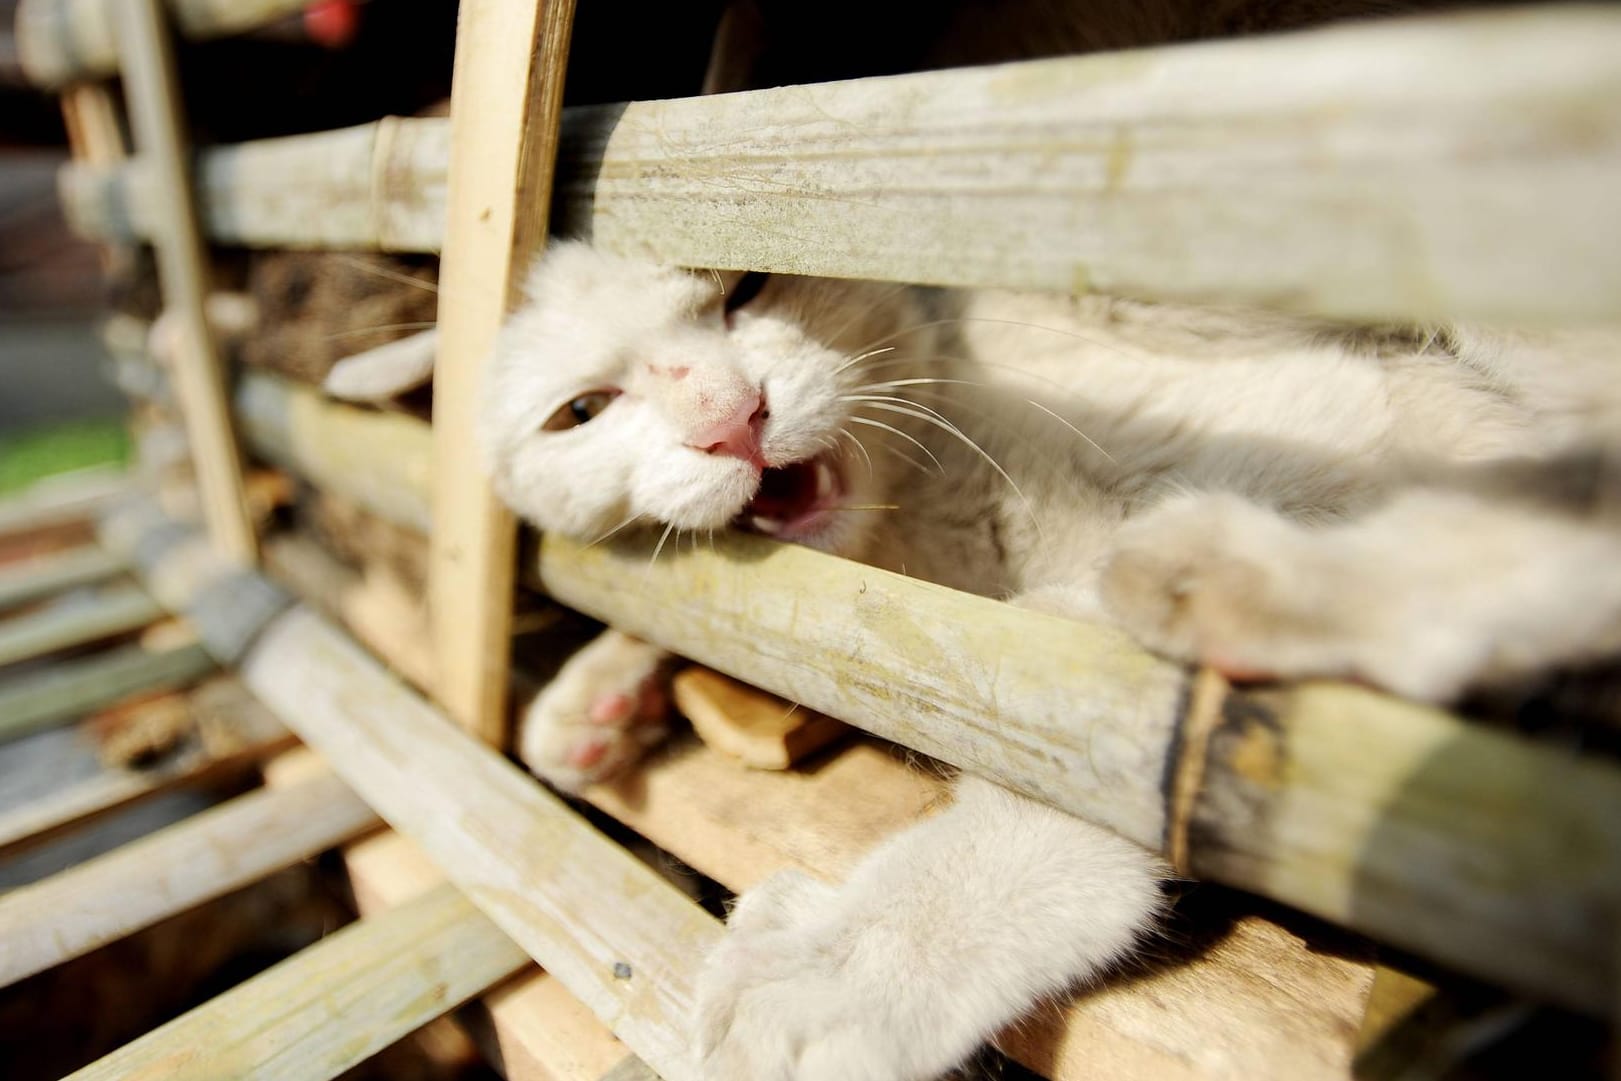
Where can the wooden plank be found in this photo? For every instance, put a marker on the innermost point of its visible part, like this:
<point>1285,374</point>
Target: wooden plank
<point>196,860</point>
<point>506,103</point>
<point>59,41</point>
<point>234,733</point>
<point>1257,1003</point>
<point>530,1024</point>
<point>760,730</point>
<point>152,90</point>
<point>32,579</point>
<point>517,851</point>
<point>332,1005</point>
<point>72,688</point>
<point>77,622</point>
<point>1455,166</point>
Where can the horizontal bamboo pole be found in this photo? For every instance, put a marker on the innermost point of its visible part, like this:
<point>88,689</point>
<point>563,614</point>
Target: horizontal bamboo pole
<point>1451,167</point>
<point>1393,845</point>
<point>62,41</point>
<point>332,1005</point>
<point>71,688</point>
<point>518,852</point>
<point>61,500</point>
<point>195,860</point>
<point>39,577</point>
<point>240,734</point>
<point>80,622</point>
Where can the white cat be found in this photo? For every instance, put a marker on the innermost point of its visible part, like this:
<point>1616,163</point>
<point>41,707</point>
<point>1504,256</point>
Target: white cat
<point>1260,492</point>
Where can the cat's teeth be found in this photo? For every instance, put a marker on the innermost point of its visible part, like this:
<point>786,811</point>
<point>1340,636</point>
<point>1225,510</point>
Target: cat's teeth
<point>765,525</point>
<point>824,480</point>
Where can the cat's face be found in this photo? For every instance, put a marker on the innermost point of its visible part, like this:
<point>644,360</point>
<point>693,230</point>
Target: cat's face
<point>624,393</point>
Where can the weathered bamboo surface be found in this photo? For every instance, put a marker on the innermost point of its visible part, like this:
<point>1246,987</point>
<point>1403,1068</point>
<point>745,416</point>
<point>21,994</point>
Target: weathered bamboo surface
<point>241,734</point>
<point>1079,716</point>
<point>70,688</point>
<point>76,622</point>
<point>332,1005</point>
<point>534,866</point>
<point>61,41</point>
<point>196,860</point>
<point>33,579</point>
<point>59,501</point>
<point>1491,853</point>
<point>1445,167</point>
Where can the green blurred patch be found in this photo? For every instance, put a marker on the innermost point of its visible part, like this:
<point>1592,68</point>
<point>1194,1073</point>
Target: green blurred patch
<point>59,448</point>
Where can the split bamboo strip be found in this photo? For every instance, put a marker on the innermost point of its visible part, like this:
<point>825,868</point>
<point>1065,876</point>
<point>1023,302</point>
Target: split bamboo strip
<point>334,1004</point>
<point>1078,716</point>
<point>151,87</point>
<point>59,501</point>
<point>33,579</point>
<point>506,102</point>
<point>1346,171</point>
<point>61,41</point>
<point>167,872</point>
<point>74,623</point>
<point>515,850</point>
<point>71,688</point>
<point>245,736</point>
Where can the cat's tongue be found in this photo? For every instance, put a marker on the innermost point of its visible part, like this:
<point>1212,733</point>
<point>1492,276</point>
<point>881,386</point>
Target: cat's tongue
<point>789,497</point>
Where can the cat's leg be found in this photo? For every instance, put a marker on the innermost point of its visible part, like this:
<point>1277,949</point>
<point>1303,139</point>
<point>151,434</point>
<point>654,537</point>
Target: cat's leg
<point>943,935</point>
<point>605,708</point>
<point>1427,595</point>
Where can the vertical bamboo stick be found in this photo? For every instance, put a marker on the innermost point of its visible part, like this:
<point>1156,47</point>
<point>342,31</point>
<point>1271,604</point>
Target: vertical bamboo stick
<point>151,85</point>
<point>506,105</point>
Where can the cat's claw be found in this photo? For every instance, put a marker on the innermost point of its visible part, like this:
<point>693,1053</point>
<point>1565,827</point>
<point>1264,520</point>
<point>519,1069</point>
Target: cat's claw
<point>795,993</point>
<point>608,705</point>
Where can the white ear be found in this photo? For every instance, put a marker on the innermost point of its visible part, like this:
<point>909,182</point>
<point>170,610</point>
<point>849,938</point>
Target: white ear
<point>385,372</point>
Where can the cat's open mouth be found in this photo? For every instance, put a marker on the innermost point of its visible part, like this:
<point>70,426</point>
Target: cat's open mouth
<point>793,499</point>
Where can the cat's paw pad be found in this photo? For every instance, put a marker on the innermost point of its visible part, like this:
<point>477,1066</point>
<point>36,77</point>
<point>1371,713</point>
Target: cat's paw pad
<point>794,993</point>
<point>608,705</point>
<point>1205,579</point>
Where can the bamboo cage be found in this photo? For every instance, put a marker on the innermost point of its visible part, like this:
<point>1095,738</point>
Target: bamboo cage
<point>1347,174</point>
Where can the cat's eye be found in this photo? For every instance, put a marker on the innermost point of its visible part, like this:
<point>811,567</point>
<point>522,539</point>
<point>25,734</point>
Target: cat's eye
<point>744,290</point>
<point>578,411</point>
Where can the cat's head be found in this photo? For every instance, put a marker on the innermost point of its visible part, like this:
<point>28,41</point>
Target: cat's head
<point>624,393</point>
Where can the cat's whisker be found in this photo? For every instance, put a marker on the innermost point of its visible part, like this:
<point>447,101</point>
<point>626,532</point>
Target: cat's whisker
<point>905,457</point>
<point>958,404</point>
<point>895,384</point>
<point>868,506</point>
<point>383,272</point>
<point>928,415</point>
<point>354,332</point>
<point>611,532</point>
<point>1080,434</point>
<point>858,358</point>
<point>891,428</point>
<point>851,436</point>
<point>660,546</point>
<point>882,299</point>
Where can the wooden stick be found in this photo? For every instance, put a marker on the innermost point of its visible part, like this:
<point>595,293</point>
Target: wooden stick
<point>61,41</point>
<point>506,102</point>
<point>236,735</point>
<point>196,860</point>
<point>57,501</point>
<point>518,852</point>
<point>72,688</point>
<point>32,579</point>
<point>151,85</point>
<point>1447,167</point>
<point>115,611</point>
<point>332,1005</point>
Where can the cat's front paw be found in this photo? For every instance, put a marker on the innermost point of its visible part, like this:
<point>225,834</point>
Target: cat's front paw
<point>1208,579</point>
<point>608,705</point>
<point>799,991</point>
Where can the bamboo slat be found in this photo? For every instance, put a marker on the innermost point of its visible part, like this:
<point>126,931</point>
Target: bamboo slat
<point>33,579</point>
<point>164,873</point>
<point>151,86</point>
<point>506,101</point>
<point>72,688</point>
<point>515,850</point>
<point>59,501</point>
<point>1078,716</point>
<point>1455,167</point>
<point>115,611</point>
<point>59,41</point>
<point>239,735</point>
<point>332,1005</point>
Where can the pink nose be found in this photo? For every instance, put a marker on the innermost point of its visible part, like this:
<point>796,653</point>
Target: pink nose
<point>737,434</point>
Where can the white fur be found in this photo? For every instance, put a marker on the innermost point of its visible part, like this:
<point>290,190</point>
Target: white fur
<point>1261,492</point>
